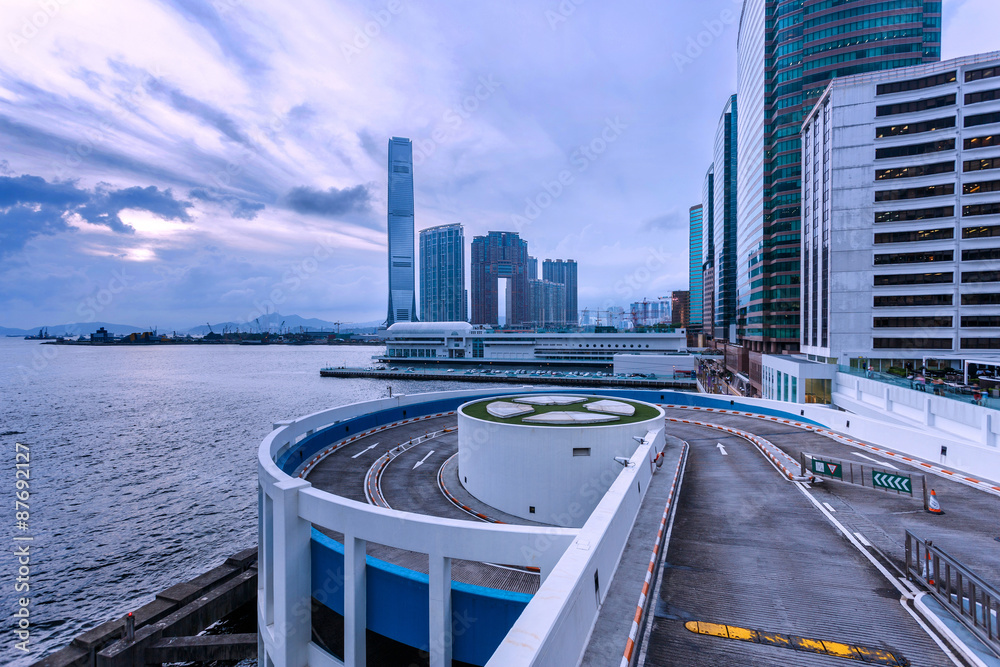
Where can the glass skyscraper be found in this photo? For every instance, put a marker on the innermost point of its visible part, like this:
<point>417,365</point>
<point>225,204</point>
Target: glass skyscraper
<point>708,252</point>
<point>787,52</point>
<point>442,274</point>
<point>694,269</point>
<point>402,285</point>
<point>724,221</point>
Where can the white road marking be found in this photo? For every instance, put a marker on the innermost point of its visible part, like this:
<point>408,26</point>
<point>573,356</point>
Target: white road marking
<point>861,538</point>
<point>829,507</point>
<point>421,461</point>
<point>878,461</point>
<point>722,450</point>
<point>365,450</point>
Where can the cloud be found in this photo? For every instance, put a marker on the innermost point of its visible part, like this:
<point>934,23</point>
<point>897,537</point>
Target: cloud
<point>31,206</point>
<point>329,203</point>
<point>198,109</point>
<point>243,209</point>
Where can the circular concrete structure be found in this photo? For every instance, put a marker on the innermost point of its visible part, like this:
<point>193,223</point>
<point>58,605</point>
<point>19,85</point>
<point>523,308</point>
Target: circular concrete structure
<point>554,463</point>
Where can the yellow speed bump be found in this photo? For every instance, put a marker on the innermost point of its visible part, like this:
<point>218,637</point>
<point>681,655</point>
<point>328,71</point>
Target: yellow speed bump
<point>872,656</point>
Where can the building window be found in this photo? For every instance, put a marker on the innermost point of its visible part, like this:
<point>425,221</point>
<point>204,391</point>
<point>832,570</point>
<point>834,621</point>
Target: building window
<point>980,254</point>
<point>982,119</point>
<point>913,172</point>
<point>979,74</point>
<point>981,299</point>
<point>915,128</point>
<point>916,193</point>
<point>906,300</point>
<point>972,210</point>
<point>975,321</point>
<point>818,391</point>
<point>915,257</point>
<point>581,451</point>
<point>981,142</point>
<point>915,149</point>
<point>908,322</point>
<point>915,84</point>
<point>977,188</point>
<point>915,236</point>
<point>916,105</point>
<point>981,343</point>
<point>981,165</point>
<point>980,276</point>
<point>982,96</point>
<point>913,279</point>
<point>915,214</point>
<point>911,343</point>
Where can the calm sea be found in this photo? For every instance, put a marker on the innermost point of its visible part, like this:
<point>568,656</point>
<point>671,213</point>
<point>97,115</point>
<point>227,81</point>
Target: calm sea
<point>143,466</point>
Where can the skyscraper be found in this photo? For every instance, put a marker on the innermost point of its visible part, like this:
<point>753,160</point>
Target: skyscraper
<point>442,274</point>
<point>499,256</point>
<point>708,252</point>
<point>564,273</point>
<point>724,222</point>
<point>787,52</point>
<point>402,286</point>
<point>694,305</point>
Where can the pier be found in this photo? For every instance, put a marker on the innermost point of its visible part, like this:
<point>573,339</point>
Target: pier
<point>560,378</point>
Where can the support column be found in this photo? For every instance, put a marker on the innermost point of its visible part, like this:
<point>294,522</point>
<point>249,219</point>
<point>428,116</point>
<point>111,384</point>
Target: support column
<point>441,638</point>
<point>928,412</point>
<point>989,439</point>
<point>292,577</point>
<point>355,602</point>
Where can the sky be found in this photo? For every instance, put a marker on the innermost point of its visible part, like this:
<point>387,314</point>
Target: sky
<point>170,162</point>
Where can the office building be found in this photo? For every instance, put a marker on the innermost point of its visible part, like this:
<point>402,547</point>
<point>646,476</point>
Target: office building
<point>679,310</point>
<point>787,52</point>
<point>442,274</point>
<point>402,285</point>
<point>564,273</point>
<point>495,257</point>
<point>723,222</point>
<point>708,252</point>
<point>900,255</point>
<point>695,216</point>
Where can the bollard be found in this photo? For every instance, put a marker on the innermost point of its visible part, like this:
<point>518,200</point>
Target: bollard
<point>128,632</point>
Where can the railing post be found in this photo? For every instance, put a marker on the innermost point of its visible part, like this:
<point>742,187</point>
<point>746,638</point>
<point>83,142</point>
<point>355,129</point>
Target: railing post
<point>292,576</point>
<point>802,462</point>
<point>908,553</point>
<point>355,602</point>
<point>439,589</point>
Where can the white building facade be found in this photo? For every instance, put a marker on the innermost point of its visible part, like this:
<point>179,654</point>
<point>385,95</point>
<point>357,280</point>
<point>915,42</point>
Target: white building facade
<point>901,215</point>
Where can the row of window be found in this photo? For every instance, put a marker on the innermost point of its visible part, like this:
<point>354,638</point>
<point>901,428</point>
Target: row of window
<point>937,321</point>
<point>914,172</point>
<point>917,235</point>
<point>982,96</point>
<point>915,257</point>
<point>977,188</point>
<point>933,278</point>
<point>979,74</point>
<point>872,8</point>
<point>982,119</point>
<point>916,84</point>
<point>915,214</point>
<point>981,165</point>
<point>915,193</point>
<point>934,343</point>
<point>917,300</point>
<point>915,149</point>
<point>916,105</point>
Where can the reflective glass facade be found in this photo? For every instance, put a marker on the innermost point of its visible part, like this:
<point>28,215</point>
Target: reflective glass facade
<point>694,269</point>
<point>724,220</point>
<point>402,285</point>
<point>442,274</point>
<point>788,51</point>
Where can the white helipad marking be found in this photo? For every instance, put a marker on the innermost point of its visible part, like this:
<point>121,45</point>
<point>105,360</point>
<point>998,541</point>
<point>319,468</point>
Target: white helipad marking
<point>421,461</point>
<point>365,450</point>
<point>722,450</point>
<point>829,507</point>
<point>861,538</point>
<point>878,461</point>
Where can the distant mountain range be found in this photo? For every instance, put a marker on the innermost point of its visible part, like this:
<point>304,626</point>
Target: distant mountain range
<point>270,322</point>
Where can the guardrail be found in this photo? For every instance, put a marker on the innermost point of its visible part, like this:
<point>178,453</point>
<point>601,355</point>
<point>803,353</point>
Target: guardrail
<point>860,474</point>
<point>963,395</point>
<point>973,601</point>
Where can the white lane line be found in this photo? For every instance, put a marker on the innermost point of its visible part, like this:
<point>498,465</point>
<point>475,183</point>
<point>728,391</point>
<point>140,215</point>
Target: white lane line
<point>421,461</point>
<point>861,538</point>
<point>722,450</point>
<point>881,463</point>
<point>904,591</point>
<point>829,507</point>
<point>365,450</point>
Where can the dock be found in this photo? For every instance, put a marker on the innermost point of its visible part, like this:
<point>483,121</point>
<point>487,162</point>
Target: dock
<point>561,379</point>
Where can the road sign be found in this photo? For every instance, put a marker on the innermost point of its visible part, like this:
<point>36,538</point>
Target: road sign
<point>828,468</point>
<point>886,480</point>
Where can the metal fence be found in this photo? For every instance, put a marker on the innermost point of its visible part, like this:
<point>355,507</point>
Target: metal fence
<point>971,599</point>
<point>964,395</point>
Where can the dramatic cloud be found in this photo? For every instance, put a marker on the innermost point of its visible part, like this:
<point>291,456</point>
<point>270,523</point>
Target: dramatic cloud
<point>330,203</point>
<point>243,209</point>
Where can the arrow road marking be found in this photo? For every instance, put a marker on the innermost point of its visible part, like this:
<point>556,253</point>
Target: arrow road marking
<point>364,450</point>
<point>421,461</point>
<point>884,464</point>
<point>722,450</point>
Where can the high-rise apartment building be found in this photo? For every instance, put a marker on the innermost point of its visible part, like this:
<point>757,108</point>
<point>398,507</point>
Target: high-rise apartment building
<point>564,273</point>
<point>402,285</point>
<point>724,224</point>
<point>901,215</point>
<point>442,274</point>
<point>708,252</point>
<point>499,256</point>
<point>547,303</point>
<point>695,216</point>
<point>787,51</point>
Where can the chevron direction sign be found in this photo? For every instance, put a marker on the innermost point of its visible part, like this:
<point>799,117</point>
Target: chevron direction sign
<point>828,468</point>
<point>885,480</point>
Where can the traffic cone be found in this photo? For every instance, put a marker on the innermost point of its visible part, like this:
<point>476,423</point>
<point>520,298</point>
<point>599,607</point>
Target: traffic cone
<point>933,506</point>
